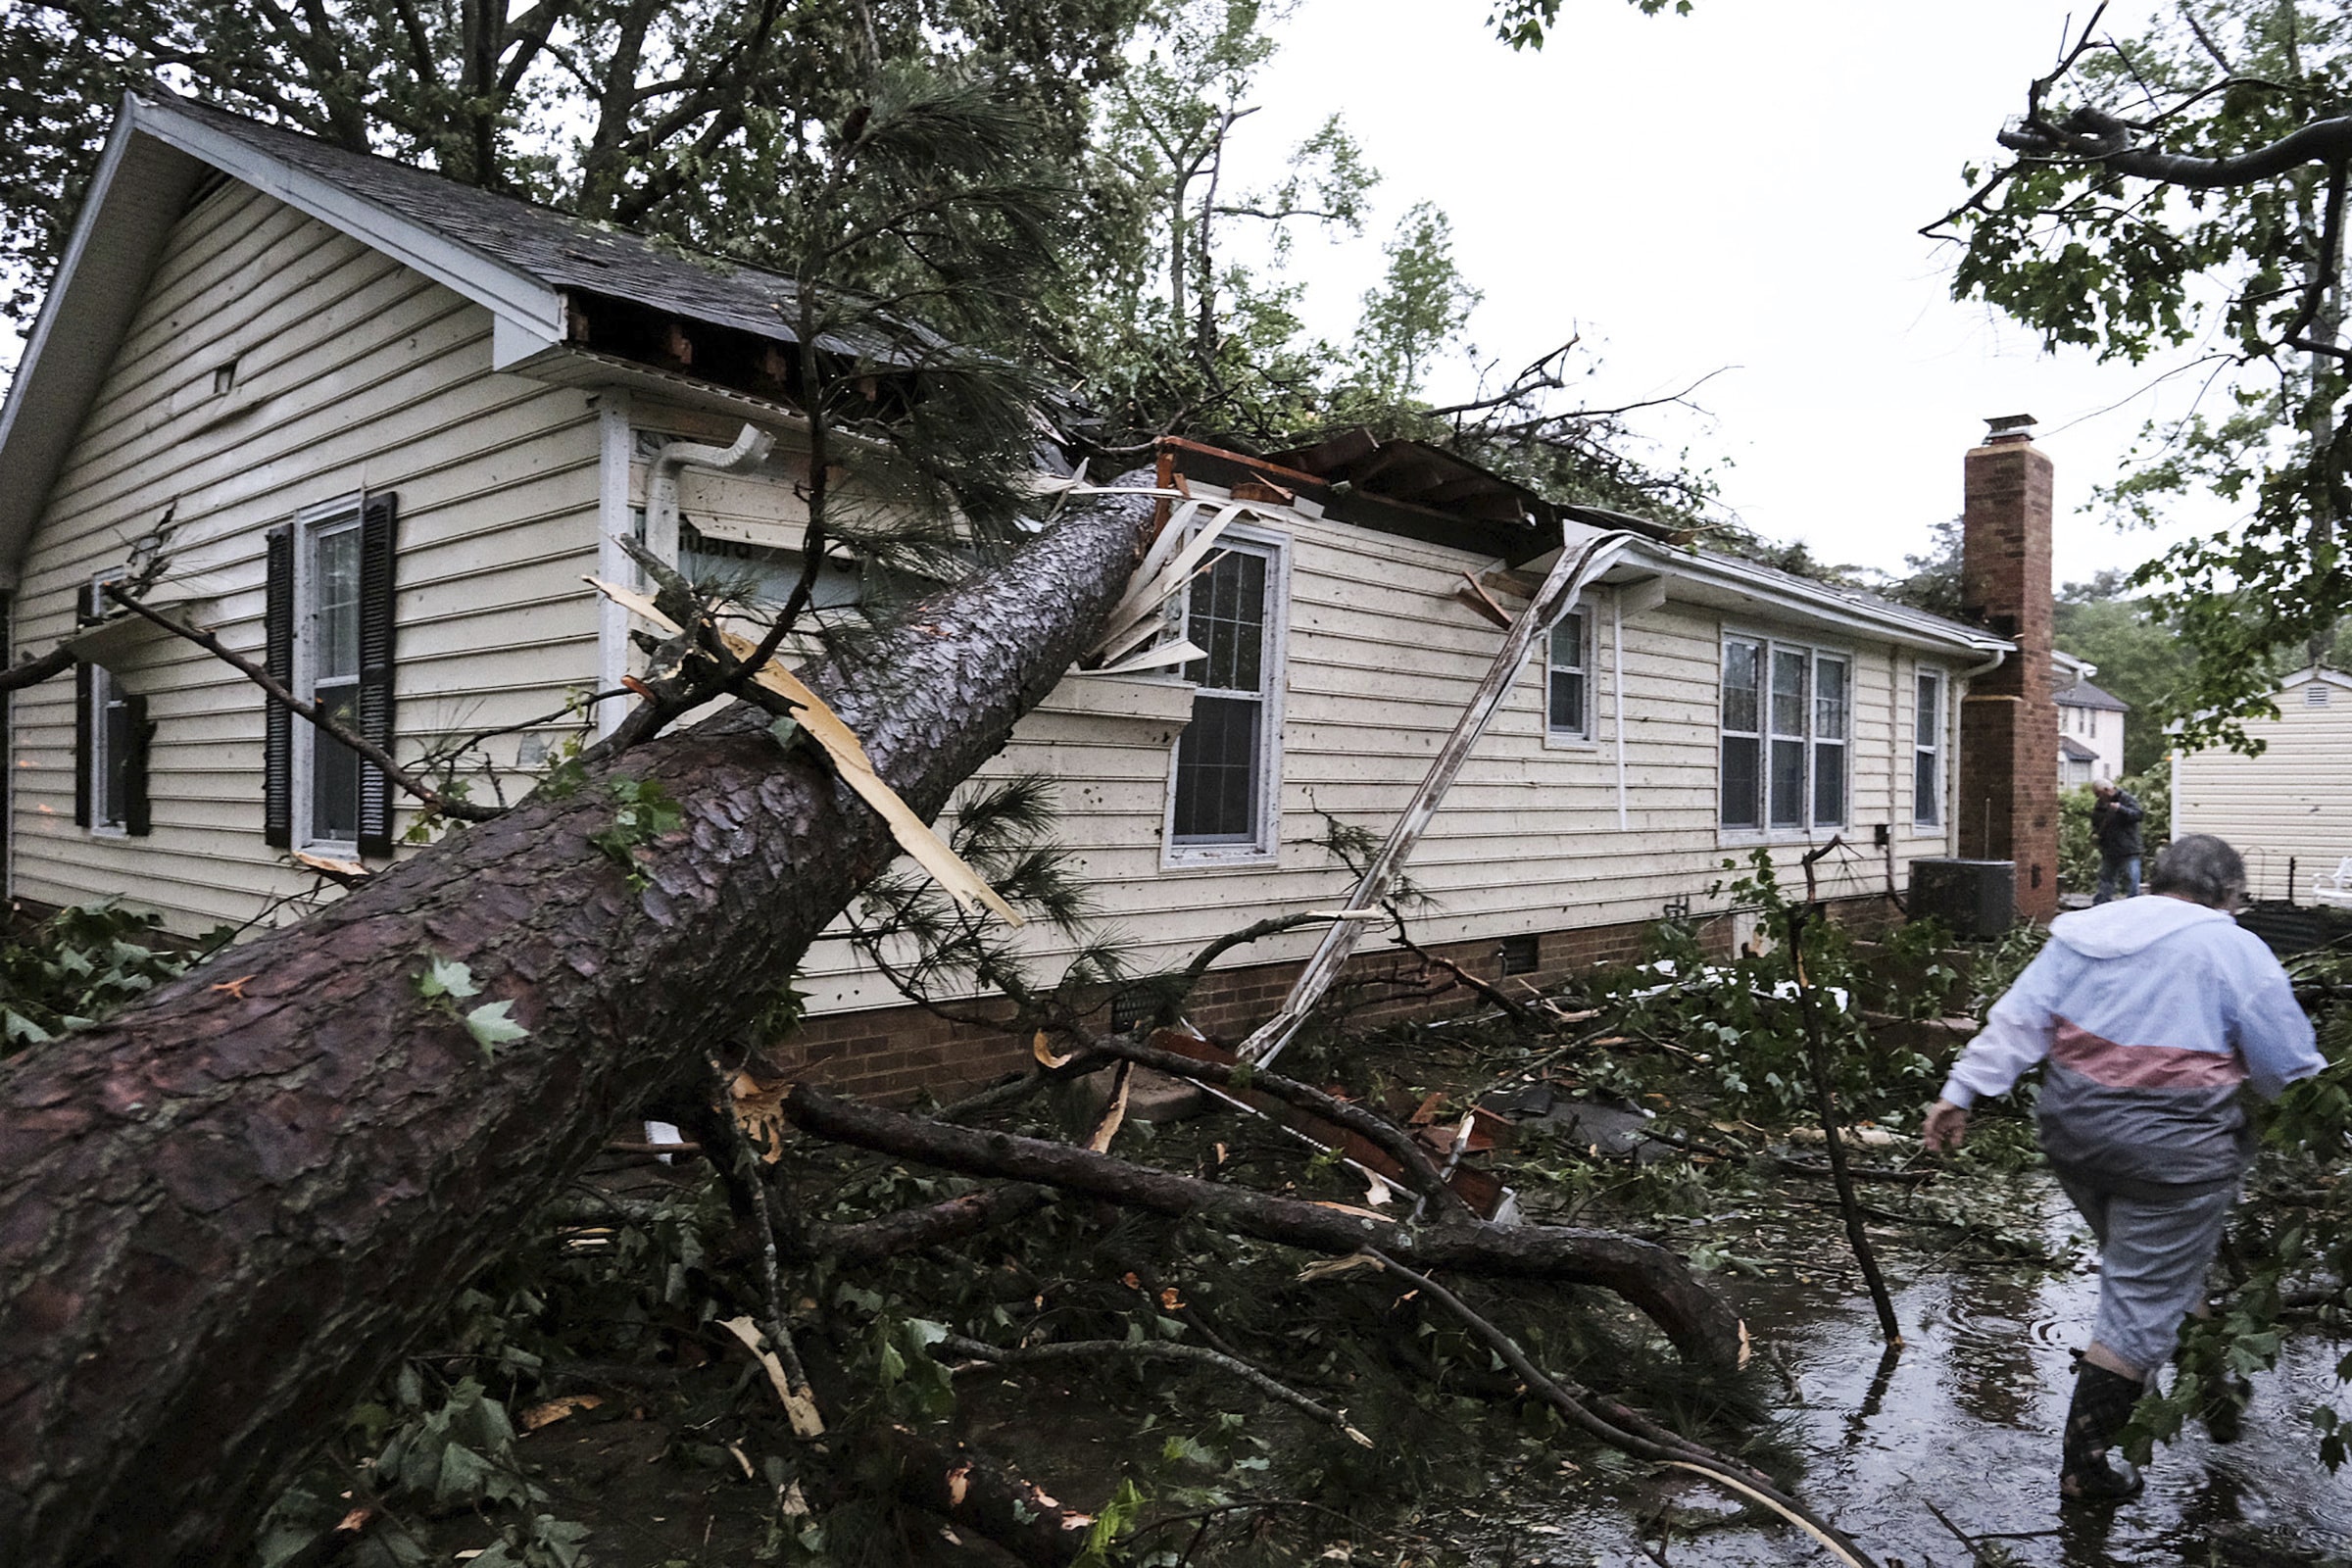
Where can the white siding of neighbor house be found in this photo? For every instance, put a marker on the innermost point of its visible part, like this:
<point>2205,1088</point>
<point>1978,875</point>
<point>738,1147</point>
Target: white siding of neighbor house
<point>1381,657</point>
<point>2293,802</point>
<point>2101,729</point>
<point>353,373</point>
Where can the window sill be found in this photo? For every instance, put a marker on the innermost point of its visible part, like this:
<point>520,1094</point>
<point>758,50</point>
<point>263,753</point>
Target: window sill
<point>1570,743</point>
<point>1743,838</point>
<point>110,830</point>
<point>1219,857</point>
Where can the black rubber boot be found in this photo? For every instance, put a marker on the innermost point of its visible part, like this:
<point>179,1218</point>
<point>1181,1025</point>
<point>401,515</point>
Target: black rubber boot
<point>2102,1403</point>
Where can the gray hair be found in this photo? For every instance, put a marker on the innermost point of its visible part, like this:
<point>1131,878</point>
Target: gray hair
<point>2202,868</point>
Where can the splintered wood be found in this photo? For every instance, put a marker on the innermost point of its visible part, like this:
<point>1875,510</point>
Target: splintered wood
<point>840,744</point>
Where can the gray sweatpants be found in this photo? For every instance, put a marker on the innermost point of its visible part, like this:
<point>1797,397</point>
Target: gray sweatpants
<point>2154,1248</point>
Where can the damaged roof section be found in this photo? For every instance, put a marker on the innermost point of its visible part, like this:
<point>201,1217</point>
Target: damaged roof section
<point>1419,491</point>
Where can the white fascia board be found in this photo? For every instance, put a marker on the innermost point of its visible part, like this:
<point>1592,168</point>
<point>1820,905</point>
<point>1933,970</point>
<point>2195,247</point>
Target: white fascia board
<point>134,199</point>
<point>2301,677</point>
<point>527,312</point>
<point>1822,603</point>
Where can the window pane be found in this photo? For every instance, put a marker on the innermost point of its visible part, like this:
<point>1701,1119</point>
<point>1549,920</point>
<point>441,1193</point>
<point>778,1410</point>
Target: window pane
<point>1789,692</point>
<point>113,760</point>
<point>1828,786</point>
<point>337,651</point>
<point>1829,699</point>
<point>1226,617</point>
<point>1567,715</point>
<point>1926,798</point>
<point>1787,783</point>
<point>1930,702</point>
<point>1739,782</point>
<point>1217,773</point>
<point>1740,688</point>
<point>1568,642</point>
<point>335,767</point>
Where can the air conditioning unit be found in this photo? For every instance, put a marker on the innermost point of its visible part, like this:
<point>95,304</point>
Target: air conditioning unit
<point>1973,898</point>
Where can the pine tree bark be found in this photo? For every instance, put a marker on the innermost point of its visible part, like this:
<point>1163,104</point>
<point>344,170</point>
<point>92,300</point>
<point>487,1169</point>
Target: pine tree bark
<point>227,1209</point>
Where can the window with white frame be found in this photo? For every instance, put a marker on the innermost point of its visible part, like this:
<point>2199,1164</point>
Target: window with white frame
<point>328,633</point>
<point>1785,736</point>
<point>328,670</point>
<point>1568,678</point>
<point>110,735</point>
<point>1927,749</point>
<point>1221,798</point>
<point>110,751</point>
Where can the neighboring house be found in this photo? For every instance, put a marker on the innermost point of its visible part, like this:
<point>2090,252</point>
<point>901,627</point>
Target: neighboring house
<point>2090,724</point>
<point>396,422</point>
<point>2289,810</point>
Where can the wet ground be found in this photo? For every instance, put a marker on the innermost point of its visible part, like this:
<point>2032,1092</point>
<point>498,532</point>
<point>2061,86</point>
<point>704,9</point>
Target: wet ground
<point>1966,1419</point>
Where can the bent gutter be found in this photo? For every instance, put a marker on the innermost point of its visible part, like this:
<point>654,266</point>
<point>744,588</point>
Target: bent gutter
<point>1569,577</point>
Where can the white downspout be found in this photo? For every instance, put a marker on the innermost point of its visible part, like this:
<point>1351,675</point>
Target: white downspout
<point>752,445</point>
<point>1617,692</point>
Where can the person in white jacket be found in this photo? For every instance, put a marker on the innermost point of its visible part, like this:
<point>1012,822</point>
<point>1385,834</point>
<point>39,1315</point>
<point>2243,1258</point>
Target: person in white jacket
<point>2152,1014</point>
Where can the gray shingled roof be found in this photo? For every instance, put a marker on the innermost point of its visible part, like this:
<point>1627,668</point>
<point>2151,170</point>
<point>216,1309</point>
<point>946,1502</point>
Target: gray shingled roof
<point>559,250</point>
<point>2083,694</point>
<point>2073,750</point>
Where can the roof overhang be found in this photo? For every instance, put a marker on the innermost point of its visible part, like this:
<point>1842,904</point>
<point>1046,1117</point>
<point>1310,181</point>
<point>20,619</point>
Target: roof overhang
<point>155,159</point>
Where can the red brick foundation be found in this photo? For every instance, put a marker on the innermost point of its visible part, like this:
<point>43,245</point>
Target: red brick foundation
<point>893,1052</point>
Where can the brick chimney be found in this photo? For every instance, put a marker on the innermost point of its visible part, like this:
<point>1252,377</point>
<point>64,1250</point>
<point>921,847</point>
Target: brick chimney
<point>2008,787</point>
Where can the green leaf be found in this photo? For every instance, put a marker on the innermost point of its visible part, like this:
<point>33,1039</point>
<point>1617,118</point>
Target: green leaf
<point>446,977</point>
<point>492,1025</point>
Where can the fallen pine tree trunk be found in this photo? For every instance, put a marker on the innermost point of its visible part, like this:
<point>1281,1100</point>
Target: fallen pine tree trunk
<point>1702,1325</point>
<point>225,1211</point>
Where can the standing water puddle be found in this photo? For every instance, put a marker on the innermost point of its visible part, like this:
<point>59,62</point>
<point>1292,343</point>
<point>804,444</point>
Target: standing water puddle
<point>1967,1418</point>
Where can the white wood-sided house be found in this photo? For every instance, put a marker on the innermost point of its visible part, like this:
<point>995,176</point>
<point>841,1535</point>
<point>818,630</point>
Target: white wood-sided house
<point>2090,724</point>
<point>397,422</point>
<point>2289,810</point>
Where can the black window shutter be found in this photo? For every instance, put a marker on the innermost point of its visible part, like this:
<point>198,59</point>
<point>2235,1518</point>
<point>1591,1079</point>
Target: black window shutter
<point>136,820</point>
<point>84,686</point>
<point>278,658</point>
<point>378,554</point>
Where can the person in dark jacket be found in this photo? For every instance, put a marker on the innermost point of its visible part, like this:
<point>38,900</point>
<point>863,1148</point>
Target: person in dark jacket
<point>2151,1014</point>
<point>2115,827</point>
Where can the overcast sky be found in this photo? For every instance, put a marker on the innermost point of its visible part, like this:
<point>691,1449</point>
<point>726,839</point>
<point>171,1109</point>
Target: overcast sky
<point>1738,189</point>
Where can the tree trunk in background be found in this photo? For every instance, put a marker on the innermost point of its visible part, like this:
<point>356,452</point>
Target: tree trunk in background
<point>223,1212</point>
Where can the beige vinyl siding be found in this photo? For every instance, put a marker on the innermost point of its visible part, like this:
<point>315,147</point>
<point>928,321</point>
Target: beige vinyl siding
<point>2292,803</point>
<point>1381,659</point>
<point>352,373</point>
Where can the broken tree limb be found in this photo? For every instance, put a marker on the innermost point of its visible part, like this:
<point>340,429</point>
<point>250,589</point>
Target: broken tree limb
<point>1193,1355</point>
<point>1568,577</point>
<point>312,714</point>
<point>35,668</point>
<point>983,1498</point>
<point>1417,1172</point>
<point>225,1211</point>
<point>1628,1429</point>
<point>1702,1327</point>
<point>873,1239</point>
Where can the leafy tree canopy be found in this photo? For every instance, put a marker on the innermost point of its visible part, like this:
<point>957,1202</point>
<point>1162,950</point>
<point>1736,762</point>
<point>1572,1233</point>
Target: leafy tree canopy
<point>2139,655</point>
<point>2180,195</point>
<point>682,118</point>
